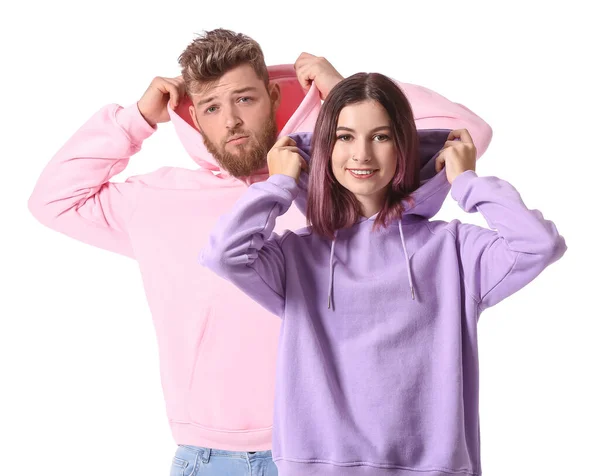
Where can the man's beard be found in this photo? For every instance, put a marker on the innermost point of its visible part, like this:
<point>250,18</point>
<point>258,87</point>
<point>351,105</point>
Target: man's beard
<point>251,156</point>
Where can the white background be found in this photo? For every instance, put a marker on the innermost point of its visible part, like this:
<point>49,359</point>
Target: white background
<point>78,360</point>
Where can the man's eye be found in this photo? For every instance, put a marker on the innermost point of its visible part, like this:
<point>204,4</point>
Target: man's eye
<point>211,109</point>
<point>245,99</point>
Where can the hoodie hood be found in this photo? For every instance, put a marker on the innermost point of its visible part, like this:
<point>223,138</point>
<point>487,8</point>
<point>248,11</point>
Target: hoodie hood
<point>428,198</point>
<point>297,112</point>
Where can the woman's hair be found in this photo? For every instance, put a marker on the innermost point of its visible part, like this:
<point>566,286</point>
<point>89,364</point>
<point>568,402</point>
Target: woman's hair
<point>331,206</point>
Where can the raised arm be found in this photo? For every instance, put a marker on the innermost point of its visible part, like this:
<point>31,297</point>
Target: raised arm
<point>74,193</point>
<point>242,248</point>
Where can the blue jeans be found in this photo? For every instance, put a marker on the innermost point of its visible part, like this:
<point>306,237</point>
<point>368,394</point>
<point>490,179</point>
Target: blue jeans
<point>194,460</point>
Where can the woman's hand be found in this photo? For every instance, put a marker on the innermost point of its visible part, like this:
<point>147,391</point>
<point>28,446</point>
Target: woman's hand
<point>284,158</point>
<point>457,155</point>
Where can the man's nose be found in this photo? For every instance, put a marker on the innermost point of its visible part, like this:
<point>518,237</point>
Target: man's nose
<point>232,119</point>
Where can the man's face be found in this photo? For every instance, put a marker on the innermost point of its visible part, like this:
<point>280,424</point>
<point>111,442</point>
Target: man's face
<point>236,117</point>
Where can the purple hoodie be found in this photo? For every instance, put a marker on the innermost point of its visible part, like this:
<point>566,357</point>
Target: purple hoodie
<point>377,370</point>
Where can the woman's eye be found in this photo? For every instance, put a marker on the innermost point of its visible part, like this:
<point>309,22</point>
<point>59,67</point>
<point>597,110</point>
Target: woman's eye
<point>381,138</point>
<point>344,137</point>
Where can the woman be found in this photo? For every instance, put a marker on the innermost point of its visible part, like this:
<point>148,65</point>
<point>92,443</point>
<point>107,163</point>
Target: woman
<point>377,369</point>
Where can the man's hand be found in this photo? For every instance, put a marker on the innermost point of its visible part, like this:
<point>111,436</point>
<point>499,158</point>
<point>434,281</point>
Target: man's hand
<point>311,68</point>
<point>457,155</point>
<point>284,158</point>
<point>162,91</point>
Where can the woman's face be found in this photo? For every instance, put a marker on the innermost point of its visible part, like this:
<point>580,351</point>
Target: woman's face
<point>364,157</point>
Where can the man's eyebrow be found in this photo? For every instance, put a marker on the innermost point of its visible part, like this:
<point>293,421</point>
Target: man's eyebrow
<point>237,91</point>
<point>204,101</point>
<point>245,90</point>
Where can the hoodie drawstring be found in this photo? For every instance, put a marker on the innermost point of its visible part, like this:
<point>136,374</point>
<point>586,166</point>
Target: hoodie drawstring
<point>331,270</point>
<point>408,270</point>
<point>412,289</point>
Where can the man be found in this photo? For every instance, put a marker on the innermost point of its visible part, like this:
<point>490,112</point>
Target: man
<point>217,347</point>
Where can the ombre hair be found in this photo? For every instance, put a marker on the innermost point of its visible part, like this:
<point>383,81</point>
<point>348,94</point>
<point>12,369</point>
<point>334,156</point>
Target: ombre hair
<point>331,206</point>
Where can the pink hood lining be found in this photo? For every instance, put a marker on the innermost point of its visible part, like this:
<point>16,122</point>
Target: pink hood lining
<point>295,107</point>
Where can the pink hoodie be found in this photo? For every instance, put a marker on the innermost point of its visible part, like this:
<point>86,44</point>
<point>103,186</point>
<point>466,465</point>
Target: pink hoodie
<point>217,346</point>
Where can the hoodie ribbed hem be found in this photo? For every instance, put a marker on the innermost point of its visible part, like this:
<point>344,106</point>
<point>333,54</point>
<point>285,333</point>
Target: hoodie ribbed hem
<point>324,468</point>
<point>194,435</point>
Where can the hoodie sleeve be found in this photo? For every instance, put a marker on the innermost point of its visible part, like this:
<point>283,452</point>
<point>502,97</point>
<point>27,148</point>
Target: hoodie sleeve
<point>74,195</point>
<point>242,247</point>
<point>520,245</point>
<point>433,111</point>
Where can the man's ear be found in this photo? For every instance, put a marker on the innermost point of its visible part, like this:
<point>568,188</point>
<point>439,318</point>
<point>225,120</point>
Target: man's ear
<point>193,116</point>
<point>275,95</point>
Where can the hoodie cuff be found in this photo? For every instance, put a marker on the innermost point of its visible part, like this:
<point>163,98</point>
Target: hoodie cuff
<point>461,184</point>
<point>286,183</point>
<point>133,123</point>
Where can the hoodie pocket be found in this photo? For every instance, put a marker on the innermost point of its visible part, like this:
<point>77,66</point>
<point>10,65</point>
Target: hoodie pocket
<point>232,382</point>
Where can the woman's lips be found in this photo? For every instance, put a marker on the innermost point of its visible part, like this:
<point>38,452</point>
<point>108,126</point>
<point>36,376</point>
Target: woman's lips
<point>362,174</point>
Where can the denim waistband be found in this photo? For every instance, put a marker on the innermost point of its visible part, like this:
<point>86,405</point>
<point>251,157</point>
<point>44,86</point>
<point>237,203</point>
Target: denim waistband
<point>205,454</point>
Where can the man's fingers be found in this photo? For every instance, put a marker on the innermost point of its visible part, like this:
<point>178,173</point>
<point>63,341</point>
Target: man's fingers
<point>173,87</point>
<point>304,69</point>
<point>305,83</point>
<point>180,83</point>
<point>173,94</point>
<point>302,60</point>
<point>178,86</point>
<point>303,74</point>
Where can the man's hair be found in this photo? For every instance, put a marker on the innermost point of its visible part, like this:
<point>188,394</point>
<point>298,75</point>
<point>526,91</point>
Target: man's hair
<point>331,206</point>
<point>214,53</point>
